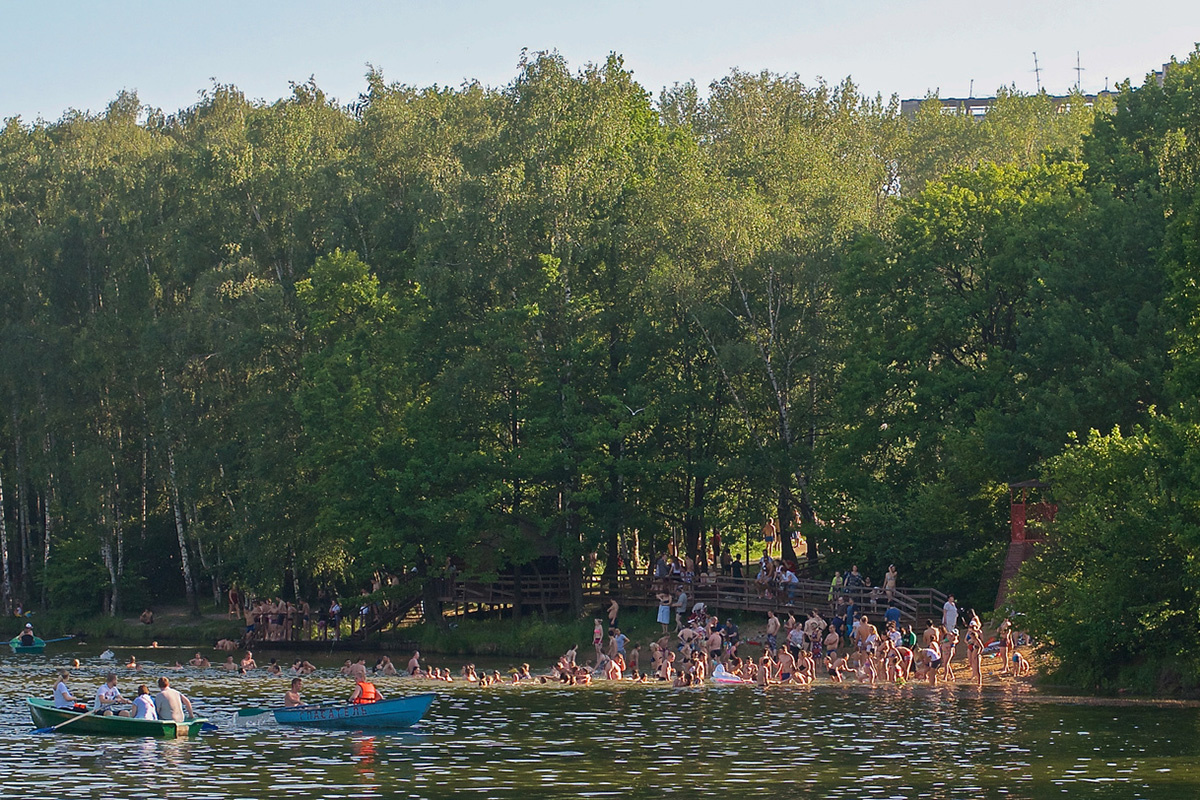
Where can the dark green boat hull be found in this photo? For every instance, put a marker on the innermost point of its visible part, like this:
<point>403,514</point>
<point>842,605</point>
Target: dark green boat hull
<point>45,715</point>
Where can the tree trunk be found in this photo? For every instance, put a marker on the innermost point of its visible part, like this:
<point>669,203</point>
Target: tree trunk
<point>5,580</point>
<point>185,563</point>
<point>784,510</point>
<point>47,529</point>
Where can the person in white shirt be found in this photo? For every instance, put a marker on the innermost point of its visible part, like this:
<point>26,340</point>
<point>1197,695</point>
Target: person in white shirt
<point>62,695</point>
<point>143,704</point>
<point>109,695</point>
<point>950,614</point>
<point>170,703</point>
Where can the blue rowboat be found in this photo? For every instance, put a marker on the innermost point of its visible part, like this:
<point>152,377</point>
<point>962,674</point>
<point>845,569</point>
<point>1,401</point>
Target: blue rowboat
<point>392,713</point>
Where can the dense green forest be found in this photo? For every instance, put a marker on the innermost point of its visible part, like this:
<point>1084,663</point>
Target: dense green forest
<point>298,344</point>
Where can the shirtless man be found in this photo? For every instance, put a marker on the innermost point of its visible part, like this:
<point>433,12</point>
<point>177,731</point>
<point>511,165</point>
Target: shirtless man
<point>613,609</point>
<point>714,644</point>
<point>229,666</point>
<point>199,661</point>
<point>291,698</point>
<point>772,632</point>
<point>358,670</point>
<point>867,634</point>
<point>248,662</point>
<point>228,645</point>
<point>666,670</point>
<point>414,663</point>
<point>787,665</point>
<point>832,641</point>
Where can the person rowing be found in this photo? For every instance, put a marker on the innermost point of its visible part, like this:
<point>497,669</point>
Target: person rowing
<point>107,696</point>
<point>291,698</point>
<point>27,637</point>
<point>365,692</point>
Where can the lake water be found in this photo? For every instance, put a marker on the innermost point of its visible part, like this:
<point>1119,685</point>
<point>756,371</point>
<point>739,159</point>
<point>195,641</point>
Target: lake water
<point>637,742</point>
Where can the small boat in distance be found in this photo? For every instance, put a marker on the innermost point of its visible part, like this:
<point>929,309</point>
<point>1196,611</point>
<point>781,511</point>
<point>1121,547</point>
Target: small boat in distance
<point>38,646</point>
<point>393,713</point>
<point>45,715</point>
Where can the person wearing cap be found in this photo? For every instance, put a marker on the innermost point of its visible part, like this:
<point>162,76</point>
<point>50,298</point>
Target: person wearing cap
<point>27,637</point>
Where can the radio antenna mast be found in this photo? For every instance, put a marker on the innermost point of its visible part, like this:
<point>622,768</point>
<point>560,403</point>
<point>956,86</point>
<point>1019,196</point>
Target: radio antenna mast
<point>1078,71</point>
<point>1037,72</point>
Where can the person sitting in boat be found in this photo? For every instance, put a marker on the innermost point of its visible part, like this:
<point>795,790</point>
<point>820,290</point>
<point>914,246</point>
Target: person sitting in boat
<point>143,704</point>
<point>27,637</point>
<point>107,696</point>
<point>365,692</point>
<point>291,698</point>
<point>170,703</point>
<point>62,695</point>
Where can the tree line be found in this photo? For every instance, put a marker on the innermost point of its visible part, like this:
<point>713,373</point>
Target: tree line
<point>300,344</point>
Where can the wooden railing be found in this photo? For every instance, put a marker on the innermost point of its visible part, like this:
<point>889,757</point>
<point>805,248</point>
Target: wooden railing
<point>721,594</point>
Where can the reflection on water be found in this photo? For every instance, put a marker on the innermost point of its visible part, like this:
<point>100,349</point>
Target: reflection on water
<point>639,741</point>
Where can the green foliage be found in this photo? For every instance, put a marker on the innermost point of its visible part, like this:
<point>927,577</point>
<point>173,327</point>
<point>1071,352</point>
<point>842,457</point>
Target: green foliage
<point>1116,589</point>
<point>300,347</point>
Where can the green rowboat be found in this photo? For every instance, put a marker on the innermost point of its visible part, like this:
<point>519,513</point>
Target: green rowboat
<point>38,646</point>
<point>45,715</point>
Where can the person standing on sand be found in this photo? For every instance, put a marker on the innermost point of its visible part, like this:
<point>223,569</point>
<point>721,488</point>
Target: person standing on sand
<point>613,609</point>
<point>772,632</point>
<point>950,614</point>
<point>664,610</point>
<point>975,651</point>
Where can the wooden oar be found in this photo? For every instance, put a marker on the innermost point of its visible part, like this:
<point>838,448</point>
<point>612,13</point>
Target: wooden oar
<point>254,712</point>
<point>66,722</point>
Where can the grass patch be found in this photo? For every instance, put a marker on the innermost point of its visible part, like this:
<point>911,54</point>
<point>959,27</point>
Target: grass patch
<point>528,637</point>
<point>172,627</point>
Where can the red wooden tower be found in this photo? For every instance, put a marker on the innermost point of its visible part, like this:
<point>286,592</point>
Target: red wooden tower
<point>1030,514</point>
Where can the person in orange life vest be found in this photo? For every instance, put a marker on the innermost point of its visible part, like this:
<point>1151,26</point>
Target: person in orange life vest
<point>365,692</point>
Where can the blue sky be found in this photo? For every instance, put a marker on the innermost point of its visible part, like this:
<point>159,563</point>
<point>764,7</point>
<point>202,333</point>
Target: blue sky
<point>56,56</point>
